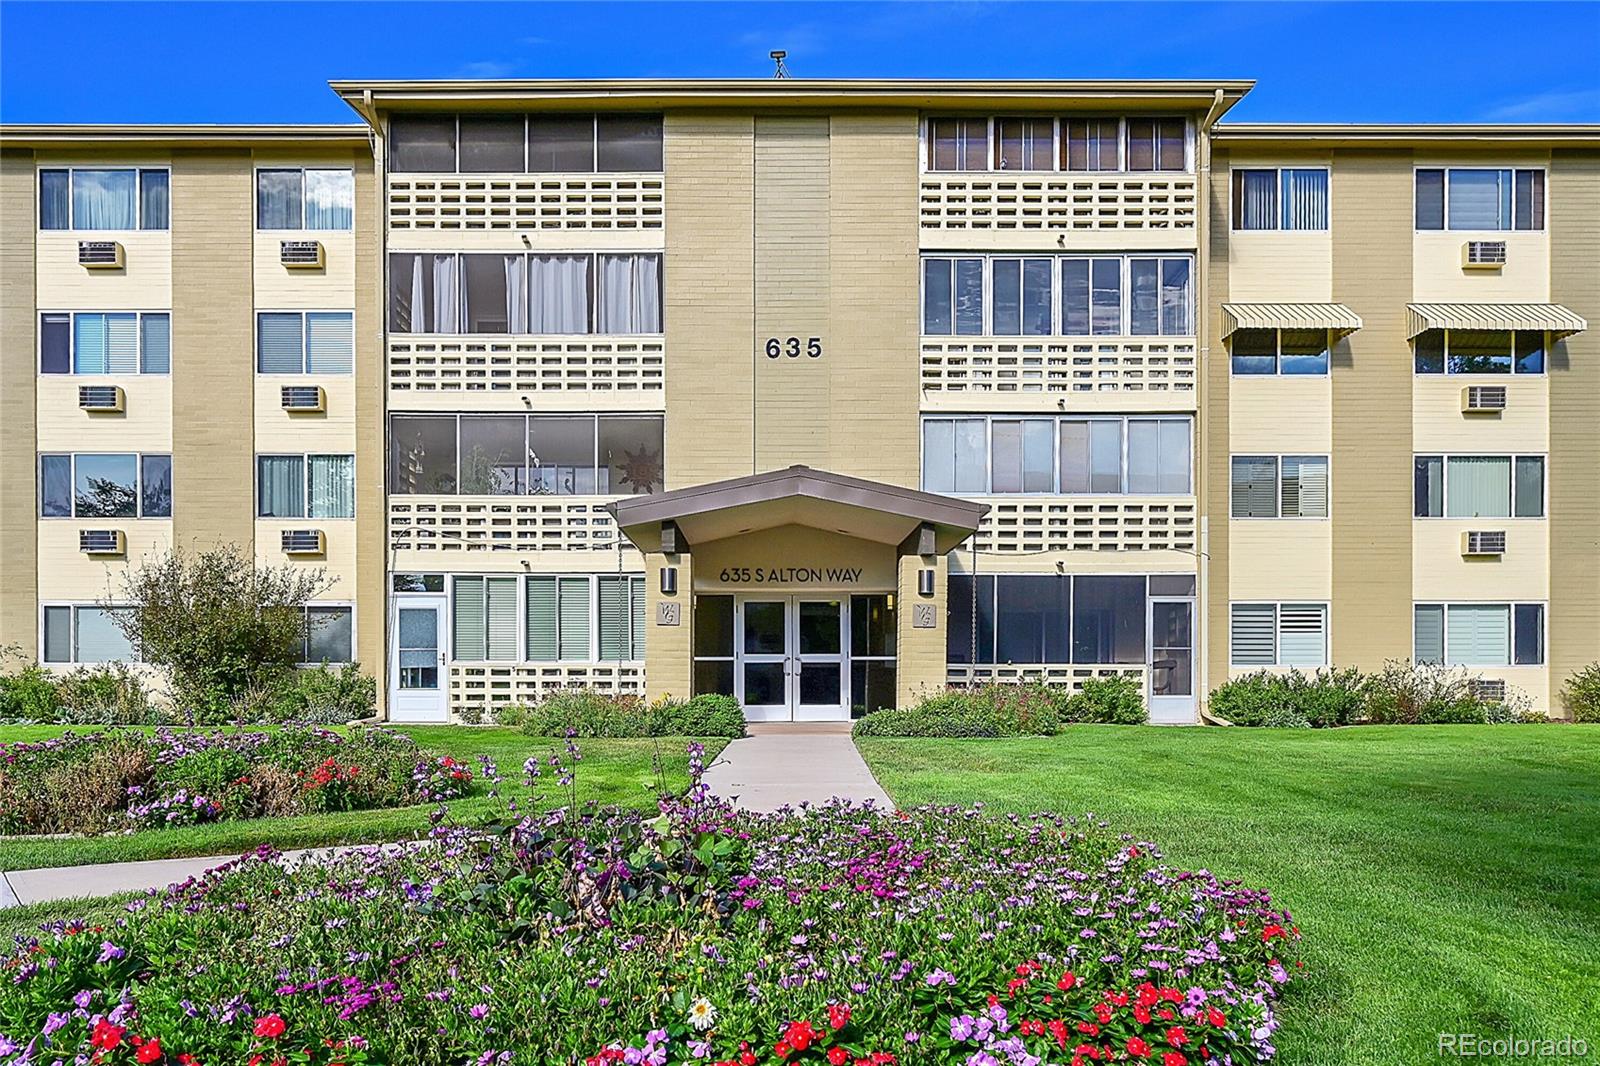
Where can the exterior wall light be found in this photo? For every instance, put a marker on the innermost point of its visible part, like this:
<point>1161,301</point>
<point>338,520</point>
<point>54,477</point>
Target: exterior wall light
<point>669,581</point>
<point>925,582</point>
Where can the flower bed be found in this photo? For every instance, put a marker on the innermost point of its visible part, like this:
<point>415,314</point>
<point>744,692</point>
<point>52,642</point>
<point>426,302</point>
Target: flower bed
<point>126,780</point>
<point>702,936</point>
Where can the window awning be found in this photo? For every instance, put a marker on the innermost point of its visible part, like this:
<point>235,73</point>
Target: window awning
<point>1336,317</point>
<point>1560,321</point>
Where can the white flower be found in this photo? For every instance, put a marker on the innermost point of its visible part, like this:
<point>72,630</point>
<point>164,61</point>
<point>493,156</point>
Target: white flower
<point>702,1015</point>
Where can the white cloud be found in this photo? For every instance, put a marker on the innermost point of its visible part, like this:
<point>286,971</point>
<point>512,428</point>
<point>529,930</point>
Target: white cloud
<point>1560,106</point>
<point>484,68</point>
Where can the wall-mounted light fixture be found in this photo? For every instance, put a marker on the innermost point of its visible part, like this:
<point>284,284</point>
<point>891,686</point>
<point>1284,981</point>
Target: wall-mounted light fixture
<point>925,582</point>
<point>669,581</point>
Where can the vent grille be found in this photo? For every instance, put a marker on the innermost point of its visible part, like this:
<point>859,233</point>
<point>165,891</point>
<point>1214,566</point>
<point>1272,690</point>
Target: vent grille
<point>1484,398</point>
<point>300,253</point>
<point>1491,254</point>
<point>303,398</point>
<point>101,541</point>
<point>99,253</point>
<point>100,397</point>
<point>1484,542</point>
<point>302,541</point>
<point>1488,689</point>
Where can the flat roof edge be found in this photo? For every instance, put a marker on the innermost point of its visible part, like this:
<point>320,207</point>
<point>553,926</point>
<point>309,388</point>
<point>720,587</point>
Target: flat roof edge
<point>24,134</point>
<point>1398,133</point>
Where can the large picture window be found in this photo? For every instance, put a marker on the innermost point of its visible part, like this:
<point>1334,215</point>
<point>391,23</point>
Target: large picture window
<point>113,342</point>
<point>1479,486</point>
<point>305,342</point>
<point>548,618</point>
<point>84,634</point>
<point>1290,198</point>
<point>516,455</point>
<point>559,293</point>
<point>305,486</point>
<point>330,634</point>
<point>1479,634</point>
<point>1112,455</point>
<point>1278,351</point>
<point>290,198</point>
<point>1046,618</point>
<point>1479,351</point>
<point>97,485</point>
<point>517,144</point>
<point>89,198</point>
<point>1070,296</point>
<point>1472,198</point>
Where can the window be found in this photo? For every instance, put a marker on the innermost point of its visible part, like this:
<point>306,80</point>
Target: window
<point>82,198</point>
<point>330,634</point>
<point>292,198</point>
<point>1108,455</point>
<point>305,486</point>
<point>1278,634</point>
<point>82,634</point>
<point>483,613</point>
<point>1156,144</point>
<point>1279,351</point>
<point>1479,634</point>
<point>713,645</point>
<point>1025,144</point>
<point>557,618</point>
<point>1479,351</point>
<point>1093,144</point>
<point>1046,618</point>
<point>537,455</point>
<point>84,485</point>
<point>1271,486</point>
<point>621,616</point>
<point>561,293</point>
<point>516,143</point>
<point>1290,198</point>
<point>1464,198</point>
<point>304,342</point>
<point>958,144</point>
<point>123,342</point>
<point>1010,296</point>
<point>1479,486</point>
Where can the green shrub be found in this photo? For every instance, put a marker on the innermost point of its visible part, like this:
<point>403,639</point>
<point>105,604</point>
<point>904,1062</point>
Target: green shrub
<point>512,714</point>
<point>991,710</point>
<point>586,713</point>
<point>29,695</point>
<point>1407,693</point>
<point>1109,701</point>
<point>706,715</point>
<point>324,695</point>
<point>1283,717</point>
<point>1326,698</point>
<point>928,719</point>
<point>106,694</point>
<point>1581,694</point>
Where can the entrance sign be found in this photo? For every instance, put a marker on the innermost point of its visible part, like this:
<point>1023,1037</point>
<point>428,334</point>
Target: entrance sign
<point>790,575</point>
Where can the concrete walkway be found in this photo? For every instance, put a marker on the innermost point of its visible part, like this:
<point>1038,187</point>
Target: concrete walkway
<point>787,765</point>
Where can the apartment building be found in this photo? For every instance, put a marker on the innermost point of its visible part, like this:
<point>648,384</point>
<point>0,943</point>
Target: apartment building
<point>818,393</point>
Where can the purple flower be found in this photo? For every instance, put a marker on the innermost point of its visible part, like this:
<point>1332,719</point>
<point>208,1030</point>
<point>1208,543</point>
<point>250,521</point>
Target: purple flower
<point>110,951</point>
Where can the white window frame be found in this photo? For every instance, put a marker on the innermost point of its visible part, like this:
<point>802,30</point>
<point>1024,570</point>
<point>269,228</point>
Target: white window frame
<point>1511,632</point>
<point>1055,454</point>
<point>138,488</point>
<point>1511,504</point>
<point>305,337</point>
<point>72,344</point>
<point>72,214</point>
<point>305,481</point>
<point>593,652</point>
<point>1277,465</point>
<point>1056,259</point>
<point>349,605</point>
<point>1484,376</point>
<point>75,606</point>
<point>1512,169</point>
<point>1277,634</point>
<point>925,143</point>
<point>1277,219</point>
<point>255,193</point>
<point>1277,358</point>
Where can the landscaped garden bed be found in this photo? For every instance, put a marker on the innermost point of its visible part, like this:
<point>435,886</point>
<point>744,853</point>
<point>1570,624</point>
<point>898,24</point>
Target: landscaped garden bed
<point>699,935</point>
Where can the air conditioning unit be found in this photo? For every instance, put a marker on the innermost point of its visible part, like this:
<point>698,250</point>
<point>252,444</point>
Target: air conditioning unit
<point>102,542</point>
<point>304,398</point>
<point>1488,689</point>
<point>1483,542</point>
<point>100,255</point>
<point>1483,255</point>
<point>304,542</point>
<point>300,255</point>
<point>1483,399</point>
<point>101,398</point>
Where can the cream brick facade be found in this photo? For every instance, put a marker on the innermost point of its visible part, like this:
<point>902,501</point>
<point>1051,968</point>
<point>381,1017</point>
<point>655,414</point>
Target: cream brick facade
<point>793,221</point>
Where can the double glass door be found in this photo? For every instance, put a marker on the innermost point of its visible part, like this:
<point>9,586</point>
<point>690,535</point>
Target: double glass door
<point>790,659</point>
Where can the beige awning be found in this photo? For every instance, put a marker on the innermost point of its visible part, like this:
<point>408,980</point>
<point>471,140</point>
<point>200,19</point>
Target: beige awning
<point>1336,317</point>
<point>1560,321</point>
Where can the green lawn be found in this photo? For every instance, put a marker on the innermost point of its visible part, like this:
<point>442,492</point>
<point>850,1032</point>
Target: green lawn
<point>1445,878</point>
<point>611,771</point>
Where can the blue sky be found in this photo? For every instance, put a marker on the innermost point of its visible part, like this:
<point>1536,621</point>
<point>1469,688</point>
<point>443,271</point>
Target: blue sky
<point>270,62</point>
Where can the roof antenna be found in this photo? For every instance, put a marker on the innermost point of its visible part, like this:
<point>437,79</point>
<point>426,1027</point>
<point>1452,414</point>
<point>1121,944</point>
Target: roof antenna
<point>777,58</point>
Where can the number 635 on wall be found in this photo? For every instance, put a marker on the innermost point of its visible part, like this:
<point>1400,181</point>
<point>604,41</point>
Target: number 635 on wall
<point>790,346</point>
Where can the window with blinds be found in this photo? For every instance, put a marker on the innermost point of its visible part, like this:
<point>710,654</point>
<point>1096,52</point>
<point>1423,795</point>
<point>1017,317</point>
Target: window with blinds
<point>1478,486</point>
<point>484,611</point>
<point>1479,634</point>
<point>1278,634</point>
<point>1255,486</point>
<point>309,342</point>
<point>1272,486</point>
<point>1305,486</point>
<point>621,617</point>
<point>558,618</point>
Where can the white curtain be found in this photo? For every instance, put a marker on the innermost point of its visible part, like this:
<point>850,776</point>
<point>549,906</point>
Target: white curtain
<point>333,486</point>
<point>104,199</point>
<point>517,293</point>
<point>330,196</point>
<point>1305,199</point>
<point>281,485</point>
<point>449,305</point>
<point>560,294</point>
<point>630,294</point>
<point>1257,206</point>
<point>1478,486</point>
<point>416,320</point>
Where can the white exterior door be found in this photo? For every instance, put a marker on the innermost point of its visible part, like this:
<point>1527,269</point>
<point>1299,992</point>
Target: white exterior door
<point>1172,662</point>
<point>762,658</point>
<point>417,675</point>
<point>791,658</point>
<point>820,689</point>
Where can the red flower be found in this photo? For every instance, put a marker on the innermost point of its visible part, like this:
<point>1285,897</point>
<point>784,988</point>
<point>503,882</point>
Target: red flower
<point>1141,1015</point>
<point>1058,1029</point>
<point>1216,1017</point>
<point>270,1027</point>
<point>1176,1036</point>
<point>838,1055</point>
<point>1103,1012</point>
<point>747,1058</point>
<point>782,1049</point>
<point>1068,980</point>
<point>800,1035</point>
<point>1088,1029</point>
<point>1138,1048</point>
<point>106,1035</point>
<point>1172,1058</point>
<point>150,1051</point>
<point>838,1015</point>
<point>1165,1014</point>
<point>1147,996</point>
<point>1272,930</point>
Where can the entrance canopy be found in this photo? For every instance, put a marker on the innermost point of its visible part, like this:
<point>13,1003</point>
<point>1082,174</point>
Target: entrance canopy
<point>798,496</point>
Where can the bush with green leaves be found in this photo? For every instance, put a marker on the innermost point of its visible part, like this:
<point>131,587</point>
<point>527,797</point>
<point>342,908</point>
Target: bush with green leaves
<point>988,710</point>
<point>325,695</point>
<point>1328,697</point>
<point>1108,701</point>
<point>1581,694</point>
<point>1408,693</point>
<point>106,694</point>
<point>586,713</point>
<point>29,694</point>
